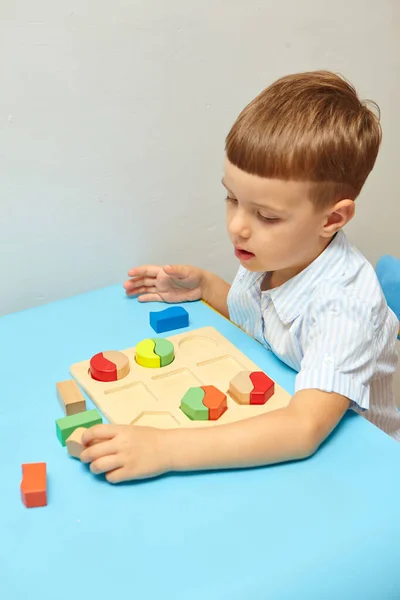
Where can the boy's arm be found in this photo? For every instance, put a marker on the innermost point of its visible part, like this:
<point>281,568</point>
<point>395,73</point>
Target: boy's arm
<point>285,434</point>
<point>124,452</point>
<point>215,292</point>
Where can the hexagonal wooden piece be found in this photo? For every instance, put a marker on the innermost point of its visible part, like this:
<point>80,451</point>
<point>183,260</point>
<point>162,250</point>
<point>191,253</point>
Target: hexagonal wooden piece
<point>264,388</point>
<point>240,387</point>
<point>215,401</point>
<point>192,404</point>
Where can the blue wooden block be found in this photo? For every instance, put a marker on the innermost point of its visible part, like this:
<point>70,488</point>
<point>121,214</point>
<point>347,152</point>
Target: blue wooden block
<point>174,317</point>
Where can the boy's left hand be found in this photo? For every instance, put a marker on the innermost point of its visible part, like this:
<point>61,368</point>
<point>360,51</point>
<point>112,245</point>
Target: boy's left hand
<point>125,452</point>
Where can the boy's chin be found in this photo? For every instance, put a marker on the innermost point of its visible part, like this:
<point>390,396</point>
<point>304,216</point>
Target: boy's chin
<point>254,266</point>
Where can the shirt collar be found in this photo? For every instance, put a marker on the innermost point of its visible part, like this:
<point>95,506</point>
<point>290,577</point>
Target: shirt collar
<point>290,297</point>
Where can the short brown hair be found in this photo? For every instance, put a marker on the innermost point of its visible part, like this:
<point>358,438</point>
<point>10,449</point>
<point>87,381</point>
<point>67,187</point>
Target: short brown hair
<point>308,127</point>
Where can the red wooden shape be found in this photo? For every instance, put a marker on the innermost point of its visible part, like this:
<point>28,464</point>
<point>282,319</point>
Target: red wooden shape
<point>264,388</point>
<point>102,369</point>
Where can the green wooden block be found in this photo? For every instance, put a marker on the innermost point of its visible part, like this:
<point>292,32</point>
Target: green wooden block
<point>165,350</point>
<point>67,425</point>
<point>192,404</point>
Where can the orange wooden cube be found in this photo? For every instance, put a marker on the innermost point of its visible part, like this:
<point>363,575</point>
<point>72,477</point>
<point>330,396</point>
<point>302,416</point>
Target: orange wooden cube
<point>34,485</point>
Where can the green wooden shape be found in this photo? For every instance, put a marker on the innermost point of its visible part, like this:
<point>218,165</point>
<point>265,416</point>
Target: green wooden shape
<point>145,355</point>
<point>192,404</point>
<point>165,350</point>
<point>67,425</point>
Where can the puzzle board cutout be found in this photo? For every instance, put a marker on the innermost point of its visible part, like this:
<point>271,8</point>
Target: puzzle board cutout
<point>152,396</point>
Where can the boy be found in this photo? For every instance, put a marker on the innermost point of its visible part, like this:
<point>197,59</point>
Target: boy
<point>296,159</point>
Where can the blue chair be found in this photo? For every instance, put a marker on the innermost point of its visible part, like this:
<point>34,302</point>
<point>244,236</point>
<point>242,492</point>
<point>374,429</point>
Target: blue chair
<point>388,272</point>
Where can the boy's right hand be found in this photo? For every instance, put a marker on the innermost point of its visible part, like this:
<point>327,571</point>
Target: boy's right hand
<point>170,283</point>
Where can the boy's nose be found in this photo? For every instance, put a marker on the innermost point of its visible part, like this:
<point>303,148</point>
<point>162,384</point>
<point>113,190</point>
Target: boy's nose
<point>239,227</point>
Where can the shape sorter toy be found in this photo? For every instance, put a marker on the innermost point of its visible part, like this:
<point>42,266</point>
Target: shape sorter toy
<point>145,385</point>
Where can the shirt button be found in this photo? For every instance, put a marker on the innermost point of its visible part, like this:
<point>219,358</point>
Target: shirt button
<point>328,360</point>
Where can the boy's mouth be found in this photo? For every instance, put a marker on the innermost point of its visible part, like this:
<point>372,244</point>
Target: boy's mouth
<point>243,254</point>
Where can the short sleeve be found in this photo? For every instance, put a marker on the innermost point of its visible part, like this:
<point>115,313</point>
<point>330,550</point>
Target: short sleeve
<point>339,349</point>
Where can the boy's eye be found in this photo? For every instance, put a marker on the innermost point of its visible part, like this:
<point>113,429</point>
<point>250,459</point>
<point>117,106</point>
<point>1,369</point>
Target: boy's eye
<point>262,218</point>
<point>268,219</point>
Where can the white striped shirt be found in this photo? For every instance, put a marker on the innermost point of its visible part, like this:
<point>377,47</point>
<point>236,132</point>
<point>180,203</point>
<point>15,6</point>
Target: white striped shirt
<point>330,323</point>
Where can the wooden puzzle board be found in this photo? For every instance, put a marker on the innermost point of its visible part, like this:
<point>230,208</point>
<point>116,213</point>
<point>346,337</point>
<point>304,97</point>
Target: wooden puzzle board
<point>152,396</point>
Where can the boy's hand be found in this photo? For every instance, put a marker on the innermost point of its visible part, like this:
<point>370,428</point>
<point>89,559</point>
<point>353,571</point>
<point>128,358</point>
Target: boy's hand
<point>125,452</point>
<point>178,283</point>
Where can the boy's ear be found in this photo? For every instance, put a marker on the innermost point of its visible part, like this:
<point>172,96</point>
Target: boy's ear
<point>337,217</point>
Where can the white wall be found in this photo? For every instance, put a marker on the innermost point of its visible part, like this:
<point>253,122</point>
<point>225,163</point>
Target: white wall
<point>113,117</point>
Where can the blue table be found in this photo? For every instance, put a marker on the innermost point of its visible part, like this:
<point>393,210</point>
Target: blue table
<point>325,528</point>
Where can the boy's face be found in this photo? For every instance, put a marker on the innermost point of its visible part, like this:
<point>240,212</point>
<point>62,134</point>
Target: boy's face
<point>272,223</point>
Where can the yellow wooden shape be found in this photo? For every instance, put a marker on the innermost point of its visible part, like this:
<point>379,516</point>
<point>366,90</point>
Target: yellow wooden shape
<point>145,355</point>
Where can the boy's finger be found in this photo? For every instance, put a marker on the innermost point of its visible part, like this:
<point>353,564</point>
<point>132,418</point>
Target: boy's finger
<point>131,283</point>
<point>99,432</point>
<point>145,290</point>
<point>149,270</point>
<point>134,292</point>
<point>117,475</point>
<point>106,463</point>
<point>99,450</point>
<point>181,271</point>
<point>140,281</point>
<point>143,282</point>
<point>150,298</point>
